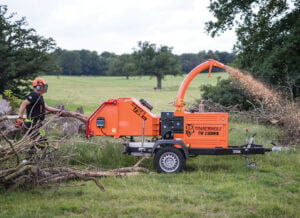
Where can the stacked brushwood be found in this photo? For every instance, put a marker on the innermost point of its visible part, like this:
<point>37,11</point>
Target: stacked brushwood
<point>69,123</point>
<point>46,164</point>
<point>259,114</point>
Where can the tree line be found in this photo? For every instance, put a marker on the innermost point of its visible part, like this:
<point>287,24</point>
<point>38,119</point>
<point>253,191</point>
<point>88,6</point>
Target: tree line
<point>86,62</point>
<point>147,59</point>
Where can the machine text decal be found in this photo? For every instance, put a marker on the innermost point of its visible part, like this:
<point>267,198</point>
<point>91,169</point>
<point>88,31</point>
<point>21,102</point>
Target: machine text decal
<point>139,111</point>
<point>202,130</point>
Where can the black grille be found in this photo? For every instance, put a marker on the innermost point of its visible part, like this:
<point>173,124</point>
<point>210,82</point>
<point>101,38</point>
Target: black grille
<point>170,124</point>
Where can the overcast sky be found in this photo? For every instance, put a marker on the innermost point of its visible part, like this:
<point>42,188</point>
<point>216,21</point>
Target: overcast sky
<point>117,25</point>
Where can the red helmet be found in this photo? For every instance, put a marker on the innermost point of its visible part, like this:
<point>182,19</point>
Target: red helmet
<point>40,84</point>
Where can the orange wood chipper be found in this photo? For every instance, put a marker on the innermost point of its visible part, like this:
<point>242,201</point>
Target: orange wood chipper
<point>174,135</point>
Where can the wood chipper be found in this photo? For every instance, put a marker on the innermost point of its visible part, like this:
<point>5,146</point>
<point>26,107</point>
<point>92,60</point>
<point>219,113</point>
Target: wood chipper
<point>174,135</point>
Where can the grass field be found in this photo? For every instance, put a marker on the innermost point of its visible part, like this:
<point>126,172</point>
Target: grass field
<point>210,186</point>
<point>89,92</point>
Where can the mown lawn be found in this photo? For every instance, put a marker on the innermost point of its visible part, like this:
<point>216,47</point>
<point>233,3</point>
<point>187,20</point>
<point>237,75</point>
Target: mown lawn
<point>89,92</point>
<point>210,186</point>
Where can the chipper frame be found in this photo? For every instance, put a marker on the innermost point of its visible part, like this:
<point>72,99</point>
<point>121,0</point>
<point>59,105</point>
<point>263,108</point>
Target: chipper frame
<point>175,135</point>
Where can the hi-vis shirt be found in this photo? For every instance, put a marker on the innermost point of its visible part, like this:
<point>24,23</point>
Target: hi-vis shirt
<point>36,109</point>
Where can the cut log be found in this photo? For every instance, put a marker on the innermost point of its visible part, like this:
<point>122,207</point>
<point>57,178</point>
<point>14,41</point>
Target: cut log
<point>10,117</point>
<point>73,114</point>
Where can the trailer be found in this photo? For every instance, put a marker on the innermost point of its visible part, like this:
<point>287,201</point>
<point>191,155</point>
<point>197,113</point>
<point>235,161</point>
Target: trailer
<point>174,136</point>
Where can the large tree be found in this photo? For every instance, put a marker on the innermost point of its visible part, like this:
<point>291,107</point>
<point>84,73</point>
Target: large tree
<point>268,38</point>
<point>156,61</point>
<point>23,54</point>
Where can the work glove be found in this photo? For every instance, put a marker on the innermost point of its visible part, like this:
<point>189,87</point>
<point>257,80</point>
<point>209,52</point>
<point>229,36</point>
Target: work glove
<point>59,113</point>
<point>56,112</point>
<point>19,122</point>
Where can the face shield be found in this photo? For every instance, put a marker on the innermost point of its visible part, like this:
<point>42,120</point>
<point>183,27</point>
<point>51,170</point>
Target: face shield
<point>45,88</point>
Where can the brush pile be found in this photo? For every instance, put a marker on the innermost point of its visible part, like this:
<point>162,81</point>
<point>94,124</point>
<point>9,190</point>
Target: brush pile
<point>287,113</point>
<point>258,114</point>
<point>34,161</point>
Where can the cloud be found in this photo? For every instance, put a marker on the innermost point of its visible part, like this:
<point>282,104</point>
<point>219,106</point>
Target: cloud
<point>117,25</point>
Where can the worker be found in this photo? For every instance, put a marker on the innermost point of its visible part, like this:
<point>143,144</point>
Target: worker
<point>35,106</point>
<point>36,109</point>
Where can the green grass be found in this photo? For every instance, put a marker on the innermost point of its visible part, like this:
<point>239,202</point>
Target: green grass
<point>89,92</point>
<point>210,186</point>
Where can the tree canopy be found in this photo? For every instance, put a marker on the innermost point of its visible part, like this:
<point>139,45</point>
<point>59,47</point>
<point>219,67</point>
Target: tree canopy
<point>268,42</point>
<point>156,61</point>
<point>23,53</point>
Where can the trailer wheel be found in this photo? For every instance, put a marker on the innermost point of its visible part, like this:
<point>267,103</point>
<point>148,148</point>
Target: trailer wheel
<point>169,160</point>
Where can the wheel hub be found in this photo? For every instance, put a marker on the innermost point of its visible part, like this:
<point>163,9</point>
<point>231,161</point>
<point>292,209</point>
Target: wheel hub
<point>169,162</point>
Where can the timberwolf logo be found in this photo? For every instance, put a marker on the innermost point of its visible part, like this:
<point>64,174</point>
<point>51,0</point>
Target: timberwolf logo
<point>189,129</point>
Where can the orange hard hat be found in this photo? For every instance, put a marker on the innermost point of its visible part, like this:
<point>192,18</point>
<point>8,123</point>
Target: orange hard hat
<point>38,82</point>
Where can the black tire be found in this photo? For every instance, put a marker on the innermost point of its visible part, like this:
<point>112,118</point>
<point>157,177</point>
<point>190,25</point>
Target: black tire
<point>169,160</point>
